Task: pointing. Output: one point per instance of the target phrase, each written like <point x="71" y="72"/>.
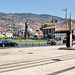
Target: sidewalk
<point x="37" y="61"/>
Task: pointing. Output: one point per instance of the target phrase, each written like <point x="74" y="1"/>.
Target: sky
<point x="51" y="7"/>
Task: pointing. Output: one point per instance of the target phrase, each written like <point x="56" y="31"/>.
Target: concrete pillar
<point x="70" y="38"/>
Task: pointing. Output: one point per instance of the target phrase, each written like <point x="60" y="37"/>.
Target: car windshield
<point x="9" y="41"/>
<point x="0" y="41"/>
<point x="5" y="41"/>
<point x="50" y="39"/>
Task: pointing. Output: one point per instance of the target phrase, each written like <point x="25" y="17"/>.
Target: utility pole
<point x="69" y="34"/>
<point x="70" y="31"/>
<point x="70" y="22"/>
<point x="66" y="17"/>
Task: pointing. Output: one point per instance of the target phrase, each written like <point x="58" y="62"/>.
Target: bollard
<point x="39" y="43"/>
<point x="25" y="44"/>
<point x="32" y="44"/>
<point x="9" y="45"/>
<point x="18" y="45"/>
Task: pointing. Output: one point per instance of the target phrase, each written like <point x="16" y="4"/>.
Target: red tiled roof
<point x="32" y="31"/>
<point x="2" y="28"/>
<point x="36" y="32"/>
<point x="62" y="29"/>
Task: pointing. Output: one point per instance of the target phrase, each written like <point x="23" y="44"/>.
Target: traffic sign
<point x="20" y="31"/>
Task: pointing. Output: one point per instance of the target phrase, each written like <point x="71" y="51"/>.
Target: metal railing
<point x="33" y="44"/>
<point x="37" y="44"/>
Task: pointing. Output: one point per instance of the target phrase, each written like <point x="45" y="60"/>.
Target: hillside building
<point x="4" y="32"/>
<point x="38" y="33"/>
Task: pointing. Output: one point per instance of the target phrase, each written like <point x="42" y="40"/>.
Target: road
<point x="33" y="63"/>
<point x="37" y="61"/>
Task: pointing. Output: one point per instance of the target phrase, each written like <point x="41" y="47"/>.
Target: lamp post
<point x="66" y="17"/>
<point x="69" y="32"/>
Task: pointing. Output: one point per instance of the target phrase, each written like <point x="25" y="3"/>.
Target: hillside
<point x="17" y="20"/>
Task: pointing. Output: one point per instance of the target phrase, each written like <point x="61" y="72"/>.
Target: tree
<point x="50" y="36"/>
<point x="15" y="34"/>
<point x="35" y="36"/>
<point x="45" y="25"/>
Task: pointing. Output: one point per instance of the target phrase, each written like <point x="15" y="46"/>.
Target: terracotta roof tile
<point x="36" y="32"/>
<point x="62" y="29"/>
<point x="2" y="28"/>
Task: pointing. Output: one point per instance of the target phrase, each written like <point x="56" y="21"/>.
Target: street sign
<point x="20" y="31"/>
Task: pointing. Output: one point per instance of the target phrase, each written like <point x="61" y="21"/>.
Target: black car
<point x="4" y="43"/>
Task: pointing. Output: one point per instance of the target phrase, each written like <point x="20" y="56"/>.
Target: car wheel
<point x="54" y="43"/>
<point x="3" y="45"/>
<point x="51" y="43"/>
<point x="15" y="45"/>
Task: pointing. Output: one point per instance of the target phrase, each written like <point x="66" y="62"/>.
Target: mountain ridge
<point x="15" y="19"/>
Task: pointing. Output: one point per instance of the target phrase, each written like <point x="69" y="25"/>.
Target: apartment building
<point x="48" y="30"/>
<point x="4" y="32"/>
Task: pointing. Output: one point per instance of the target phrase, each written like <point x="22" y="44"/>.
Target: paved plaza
<point x="48" y="60"/>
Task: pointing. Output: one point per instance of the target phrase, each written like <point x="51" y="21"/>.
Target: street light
<point x="66" y="17"/>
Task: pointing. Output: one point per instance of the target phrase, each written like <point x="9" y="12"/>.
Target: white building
<point x="48" y="30"/>
<point x="61" y="33"/>
<point x="57" y="32"/>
